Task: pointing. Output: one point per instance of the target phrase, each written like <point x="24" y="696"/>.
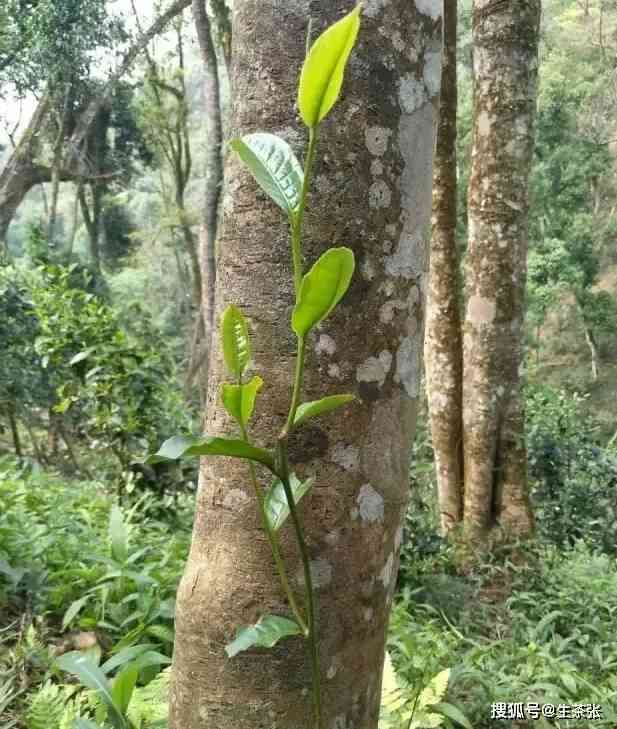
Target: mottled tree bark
<point x="444" y="345"/>
<point x="214" y="176"/>
<point x="372" y="192"/>
<point x="505" y="50"/>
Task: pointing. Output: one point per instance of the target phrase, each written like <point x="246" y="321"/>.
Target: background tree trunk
<point x="444" y="345"/>
<point x="373" y="193"/>
<point x="505" y="38"/>
<point x="214" y="181"/>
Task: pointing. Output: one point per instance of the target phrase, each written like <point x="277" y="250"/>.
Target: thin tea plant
<point x="279" y="173"/>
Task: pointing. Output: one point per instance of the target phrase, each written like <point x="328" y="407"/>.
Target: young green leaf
<point x="123" y="687"/>
<point x="324" y="68"/>
<point x="264" y="634"/>
<point x="236" y="342"/>
<point x="274" y="167"/>
<point x="92" y="677"/>
<point x="277" y="508"/>
<point x="319" y="407"/>
<point x="239" y="400"/>
<point x="184" y="447"/>
<point x="322" y="288"/>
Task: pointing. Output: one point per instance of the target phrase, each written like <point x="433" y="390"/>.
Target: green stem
<point x="298" y="218"/>
<point x="296" y="251"/>
<point x="274" y="545"/>
<point x="308" y="582"/>
<point x="297" y="388"/>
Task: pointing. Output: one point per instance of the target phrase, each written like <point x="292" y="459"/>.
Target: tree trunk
<point x="593" y="349"/>
<point x="505" y="70"/>
<point x="373" y="193"/>
<point x="444" y="346"/>
<point x="214" y="171"/>
<point x="10" y="411"/>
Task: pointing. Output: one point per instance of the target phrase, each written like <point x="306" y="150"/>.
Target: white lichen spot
<point x="368" y="269"/>
<point x="432" y="72"/>
<point x="411" y="94"/>
<point x="481" y="311"/>
<point x="376" y="168"/>
<point x="370" y="504"/>
<point x="387" y="310"/>
<point x="432" y="8"/>
<point x="385" y="576"/>
<point x="321" y="573"/>
<point x="372" y="8"/>
<point x="334" y="371"/>
<point x="325" y="345"/>
<point x="235" y="499"/>
<point x="375" y="369"/>
<point x="377" y="139"/>
<point x="398" y="42"/>
<point x="346" y="456"/>
<point x="379" y="195"/>
<point x="407" y="367"/>
<point x="367" y="614"/>
<point x="407" y="260"/>
<point x="331" y="672"/>
<point x="484" y="123"/>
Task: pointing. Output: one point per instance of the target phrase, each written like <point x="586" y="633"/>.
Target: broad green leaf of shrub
<point x="320" y="407"/>
<point x="236" y="341"/>
<point x="322" y="74"/>
<point x="92" y="677"/>
<point x="181" y="446"/>
<point x="239" y="400"/>
<point x="264" y="634"/>
<point x="277" y="508"/>
<point x="274" y="167"/>
<point x="322" y="288"/>
<point x="123" y="687"/>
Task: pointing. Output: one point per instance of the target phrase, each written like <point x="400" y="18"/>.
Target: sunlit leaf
<point x="236" y="342"/>
<point x="123" y="687"/>
<point x="264" y="634"/>
<point x="319" y="407"/>
<point x="454" y="713"/>
<point x="239" y="400"/>
<point x="324" y="68"/>
<point x="322" y="288"/>
<point x="277" y="508"/>
<point x="185" y="447"/>
<point x="92" y="677"/>
<point x="274" y="166"/>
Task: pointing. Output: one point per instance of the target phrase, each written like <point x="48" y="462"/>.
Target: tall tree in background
<point x="505" y="60"/>
<point x="473" y="370"/>
<point x="214" y="183"/>
<point x="374" y="182"/>
<point x="444" y="344"/>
